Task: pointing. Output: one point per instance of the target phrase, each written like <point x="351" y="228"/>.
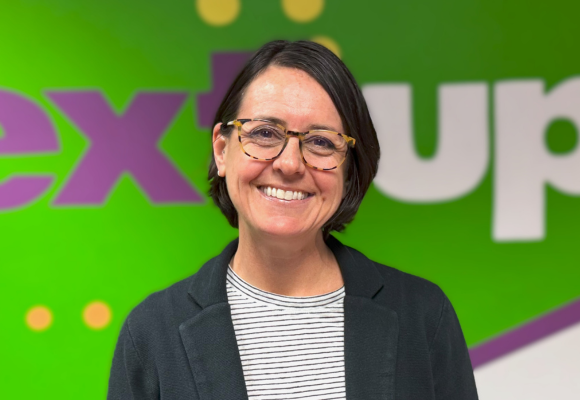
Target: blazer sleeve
<point x="450" y="362"/>
<point x="129" y="378"/>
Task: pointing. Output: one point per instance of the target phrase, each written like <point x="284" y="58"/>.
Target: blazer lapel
<point x="371" y="330"/>
<point x="210" y="343"/>
<point x="209" y="337"/>
<point x="370" y="349"/>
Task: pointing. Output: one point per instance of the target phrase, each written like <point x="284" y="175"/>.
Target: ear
<point x="219" y="149"/>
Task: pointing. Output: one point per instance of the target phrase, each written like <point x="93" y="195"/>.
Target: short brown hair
<point x="331" y="73"/>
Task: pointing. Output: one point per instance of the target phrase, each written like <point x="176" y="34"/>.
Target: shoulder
<point x="161" y="311"/>
<point x="430" y="340"/>
<point x="402" y="285"/>
<point x="408" y="288"/>
<point x="167" y="309"/>
<point x="418" y="302"/>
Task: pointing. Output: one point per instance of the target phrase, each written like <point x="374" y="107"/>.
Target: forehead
<point x="290" y="95"/>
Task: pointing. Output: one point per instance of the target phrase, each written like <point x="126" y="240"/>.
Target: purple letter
<point x="27" y="129"/>
<point x="224" y="68"/>
<point x="123" y="143"/>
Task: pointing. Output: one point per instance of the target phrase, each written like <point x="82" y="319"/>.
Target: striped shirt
<point x="291" y="347"/>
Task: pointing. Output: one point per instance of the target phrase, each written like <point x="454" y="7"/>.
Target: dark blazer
<point x="402" y="339"/>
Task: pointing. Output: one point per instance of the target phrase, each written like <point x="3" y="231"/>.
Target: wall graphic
<point x="105" y="114"/>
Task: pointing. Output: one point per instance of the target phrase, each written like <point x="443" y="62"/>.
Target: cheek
<point x="333" y="189"/>
<point x="242" y="170"/>
<point x="247" y="171"/>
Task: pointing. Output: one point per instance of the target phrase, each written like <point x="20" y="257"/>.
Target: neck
<point x="296" y="266"/>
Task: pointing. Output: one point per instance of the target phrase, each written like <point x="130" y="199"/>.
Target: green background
<point x="66" y="257"/>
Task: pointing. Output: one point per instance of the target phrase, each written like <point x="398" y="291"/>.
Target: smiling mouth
<point x="284" y="194"/>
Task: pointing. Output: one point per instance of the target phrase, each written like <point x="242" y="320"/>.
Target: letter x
<point x="123" y="144"/>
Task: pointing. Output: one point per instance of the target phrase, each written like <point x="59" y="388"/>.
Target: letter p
<point x="523" y="165"/>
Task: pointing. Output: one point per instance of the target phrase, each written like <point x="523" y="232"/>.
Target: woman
<point x="287" y="311"/>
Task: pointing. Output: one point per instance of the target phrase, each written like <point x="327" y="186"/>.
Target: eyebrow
<point x="311" y="127"/>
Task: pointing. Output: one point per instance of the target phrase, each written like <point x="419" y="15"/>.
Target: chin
<point x="285" y="227"/>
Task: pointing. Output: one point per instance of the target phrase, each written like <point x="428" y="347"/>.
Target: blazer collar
<point x="370" y="331"/>
<point x="208" y="285"/>
<point x="360" y="276"/>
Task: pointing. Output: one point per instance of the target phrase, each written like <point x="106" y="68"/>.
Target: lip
<point x="283" y="201"/>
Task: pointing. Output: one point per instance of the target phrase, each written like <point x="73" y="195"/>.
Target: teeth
<point x="284" y="195"/>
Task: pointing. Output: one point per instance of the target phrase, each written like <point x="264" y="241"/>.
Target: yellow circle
<point x="97" y="315"/>
<point x="39" y="318"/>
<point x="218" y="12"/>
<point x="303" y="10"/>
<point x="328" y="43"/>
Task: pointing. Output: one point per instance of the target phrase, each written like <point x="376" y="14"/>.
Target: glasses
<point x="265" y="140"/>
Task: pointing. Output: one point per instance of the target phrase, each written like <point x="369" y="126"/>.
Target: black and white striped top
<point x="291" y="347"/>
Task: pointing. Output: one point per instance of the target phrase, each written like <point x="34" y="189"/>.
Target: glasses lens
<point x="262" y="139"/>
<point x="324" y="149"/>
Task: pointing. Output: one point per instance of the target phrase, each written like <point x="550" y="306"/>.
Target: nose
<point x="290" y="161"/>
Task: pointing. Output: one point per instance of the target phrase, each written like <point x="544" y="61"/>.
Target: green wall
<point x="65" y="256"/>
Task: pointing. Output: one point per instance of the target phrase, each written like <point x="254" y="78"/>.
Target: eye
<point x="265" y="133"/>
<point x="320" y="142"/>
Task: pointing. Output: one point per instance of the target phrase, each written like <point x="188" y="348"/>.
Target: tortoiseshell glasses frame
<point x="349" y="141"/>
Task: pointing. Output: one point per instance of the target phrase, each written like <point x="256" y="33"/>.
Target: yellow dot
<point x="218" y="12"/>
<point x="303" y="10"/>
<point x="97" y="315"/>
<point x="328" y="43"/>
<point x="39" y="318"/>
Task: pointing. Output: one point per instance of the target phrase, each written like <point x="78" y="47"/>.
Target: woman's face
<point x="294" y="97"/>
